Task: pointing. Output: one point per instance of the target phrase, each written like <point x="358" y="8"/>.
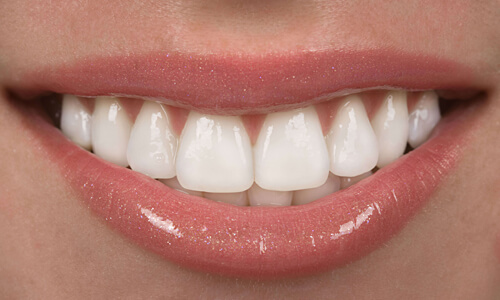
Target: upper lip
<point x="231" y="84"/>
<point x="254" y="241"/>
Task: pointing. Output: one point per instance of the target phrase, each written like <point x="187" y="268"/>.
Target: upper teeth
<point x="214" y="153"/>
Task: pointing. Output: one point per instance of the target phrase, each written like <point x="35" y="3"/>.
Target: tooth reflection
<point x="76" y="121"/>
<point x="290" y="152"/>
<point x="214" y="155"/>
<point x="110" y="130"/>
<point x="152" y="146"/>
<point x="423" y="118"/>
<point x="351" y="142"/>
<point x="390" y="125"/>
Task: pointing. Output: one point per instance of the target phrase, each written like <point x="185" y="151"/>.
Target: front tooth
<point x="110" y="130"/>
<point x="331" y="185"/>
<point x="152" y="145"/>
<point x="76" y="121"/>
<point x="215" y="154"/>
<point x="258" y="196"/>
<point x="390" y="125"/>
<point x="290" y="152"/>
<point x="423" y="118"/>
<point x="351" y="142"/>
<point x="231" y="198"/>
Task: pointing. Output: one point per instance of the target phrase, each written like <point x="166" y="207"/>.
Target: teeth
<point x="423" y="118"/>
<point x="213" y="158"/>
<point x="215" y="155"/>
<point x="111" y="130"/>
<point x="290" y="152"/>
<point x="331" y="185"/>
<point x="258" y="196"/>
<point x="239" y="199"/>
<point x="351" y="142"/>
<point x="346" y="182"/>
<point x="76" y="121"/>
<point x="152" y="145"/>
<point x="390" y="125"/>
<point x="174" y="184"/>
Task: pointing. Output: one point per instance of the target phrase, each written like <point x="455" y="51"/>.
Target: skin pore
<point x="53" y="247"/>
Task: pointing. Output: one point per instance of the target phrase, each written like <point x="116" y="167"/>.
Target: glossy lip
<point x="255" y="242"/>
<point x="233" y="84"/>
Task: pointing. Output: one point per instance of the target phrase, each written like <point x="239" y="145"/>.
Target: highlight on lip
<point x="282" y="158"/>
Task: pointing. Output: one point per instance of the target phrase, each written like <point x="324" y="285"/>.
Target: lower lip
<point x="259" y="242"/>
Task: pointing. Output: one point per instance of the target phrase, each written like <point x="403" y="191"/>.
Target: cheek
<point x="497" y="246"/>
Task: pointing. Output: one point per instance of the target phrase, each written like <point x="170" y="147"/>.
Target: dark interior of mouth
<point x="449" y="101"/>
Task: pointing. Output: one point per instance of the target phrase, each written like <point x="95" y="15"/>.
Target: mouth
<point x="267" y="167"/>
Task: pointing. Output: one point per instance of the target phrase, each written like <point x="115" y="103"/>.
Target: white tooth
<point x="215" y="154"/>
<point x="290" y="152"/>
<point x="152" y="145"/>
<point x="423" y="118"/>
<point x="346" y="182"/>
<point x="231" y="198"/>
<point x="174" y="184"/>
<point x="390" y="125"/>
<point x="76" y="121"/>
<point x="331" y="185"/>
<point x="110" y="130"/>
<point x="351" y="142"/>
<point x="258" y="196"/>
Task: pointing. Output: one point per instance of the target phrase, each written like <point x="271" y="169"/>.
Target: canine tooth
<point x="346" y="182"/>
<point x="258" y="196"/>
<point x="214" y="155"/>
<point x="331" y="185"/>
<point x="290" y="152"/>
<point x="174" y="184"/>
<point x="351" y="142"/>
<point x="390" y="125"/>
<point x="76" y="121"/>
<point x="110" y="130"/>
<point x="231" y="198"/>
<point x="152" y="145"/>
<point x="423" y="118"/>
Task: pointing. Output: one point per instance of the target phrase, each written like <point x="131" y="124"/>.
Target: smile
<point x="281" y="167"/>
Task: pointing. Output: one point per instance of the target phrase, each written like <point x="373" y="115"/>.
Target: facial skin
<point x="52" y="247"/>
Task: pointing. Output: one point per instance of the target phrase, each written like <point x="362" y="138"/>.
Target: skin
<point x="52" y="247"/>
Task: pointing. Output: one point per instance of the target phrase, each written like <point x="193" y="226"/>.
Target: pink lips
<point x="232" y="84"/>
<point x="258" y="242"/>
